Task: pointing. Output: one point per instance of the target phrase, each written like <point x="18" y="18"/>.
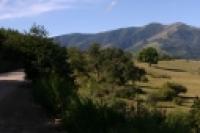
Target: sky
<point x="92" y="16"/>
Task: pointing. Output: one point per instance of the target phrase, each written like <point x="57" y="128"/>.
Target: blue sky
<point x="91" y="16"/>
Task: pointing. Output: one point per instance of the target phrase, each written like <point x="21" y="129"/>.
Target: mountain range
<point x="177" y="39"/>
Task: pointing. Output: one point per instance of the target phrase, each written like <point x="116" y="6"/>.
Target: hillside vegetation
<point x="166" y="88"/>
<point x="103" y="90"/>
<point x="178" y="39"/>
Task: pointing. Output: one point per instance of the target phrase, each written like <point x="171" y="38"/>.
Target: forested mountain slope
<point x="177" y="39"/>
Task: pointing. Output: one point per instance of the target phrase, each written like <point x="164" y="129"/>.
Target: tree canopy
<point x="44" y="62"/>
<point x="149" y="55"/>
<point x="111" y="65"/>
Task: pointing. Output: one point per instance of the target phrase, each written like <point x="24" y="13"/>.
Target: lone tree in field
<point x="149" y="55"/>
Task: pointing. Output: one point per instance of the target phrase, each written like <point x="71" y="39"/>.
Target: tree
<point x="38" y="30"/>
<point x="149" y="55"/>
<point x="2" y="38"/>
<point x="10" y="42"/>
<point x="95" y="59"/>
<point x="45" y="64"/>
<point x="116" y="66"/>
<point x="47" y="67"/>
<point x="77" y="61"/>
<point x="43" y="56"/>
<point x="94" y="50"/>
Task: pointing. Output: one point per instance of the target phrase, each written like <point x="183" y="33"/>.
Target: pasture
<point x="184" y="72"/>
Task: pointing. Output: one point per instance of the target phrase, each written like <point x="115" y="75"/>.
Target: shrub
<point x="166" y="93"/>
<point x="153" y="98"/>
<point x="102" y="92"/>
<point x="171" y="90"/>
<point x="196" y="104"/>
<point x="176" y="87"/>
<point x="178" y="100"/>
<point x="166" y="57"/>
<point x="119" y="105"/>
<point x="178" y="122"/>
<point x="87" y="116"/>
<point x="127" y="92"/>
<point x="195" y="115"/>
<point x="144" y="79"/>
<point x="53" y="92"/>
<point x="94" y="117"/>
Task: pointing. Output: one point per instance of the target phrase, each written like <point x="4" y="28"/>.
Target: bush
<point x="166" y="93"/>
<point x="178" y="123"/>
<point x="144" y="79"/>
<point x="153" y="98"/>
<point x="102" y="93"/>
<point x="119" y="105"/>
<point x="86" y="116"/>
<point x="195" y="115"/>
<point x="178" y="100"/>
<point x="166" y="57"/>
<point x="127" y="92"/>
<point x="171" y="90"/>
<point x="53" y="92"/>
<point x="89" y="117"/>
<point x="176" y="87"/>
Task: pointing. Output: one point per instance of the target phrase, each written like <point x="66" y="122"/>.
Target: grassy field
<point x="184" y="72"/>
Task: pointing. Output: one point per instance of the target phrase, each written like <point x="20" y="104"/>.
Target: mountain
<point x="178" y="39"/>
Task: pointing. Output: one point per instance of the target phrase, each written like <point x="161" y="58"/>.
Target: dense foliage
<point x="11" y="57"/>
<point x="44" y="62"/>
<point x="89" y="117"/>
<point x="149" y="55"/>
<point x="46" y="65"/>
<point x="110" y="65"/>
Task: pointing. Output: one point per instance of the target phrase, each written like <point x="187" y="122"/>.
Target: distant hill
<point x="177" y="39"/>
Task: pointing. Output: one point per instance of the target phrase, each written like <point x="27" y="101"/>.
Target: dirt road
<point x="18" y="112"/>
<point x="9" y="82"/>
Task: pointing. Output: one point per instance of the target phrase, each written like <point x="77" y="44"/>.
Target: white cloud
<point x="112" y="5"/>
<point x="23" y="8"/>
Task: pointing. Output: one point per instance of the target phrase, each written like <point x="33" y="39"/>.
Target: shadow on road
<point x="8" y="86"/>
<point x="18" y="111"/>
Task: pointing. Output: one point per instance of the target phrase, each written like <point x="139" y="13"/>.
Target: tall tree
<point x="46" y="65"/>
<point x="149" y="55"/>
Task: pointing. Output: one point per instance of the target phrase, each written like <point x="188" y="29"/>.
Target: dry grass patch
<point x="183" y="72"/>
